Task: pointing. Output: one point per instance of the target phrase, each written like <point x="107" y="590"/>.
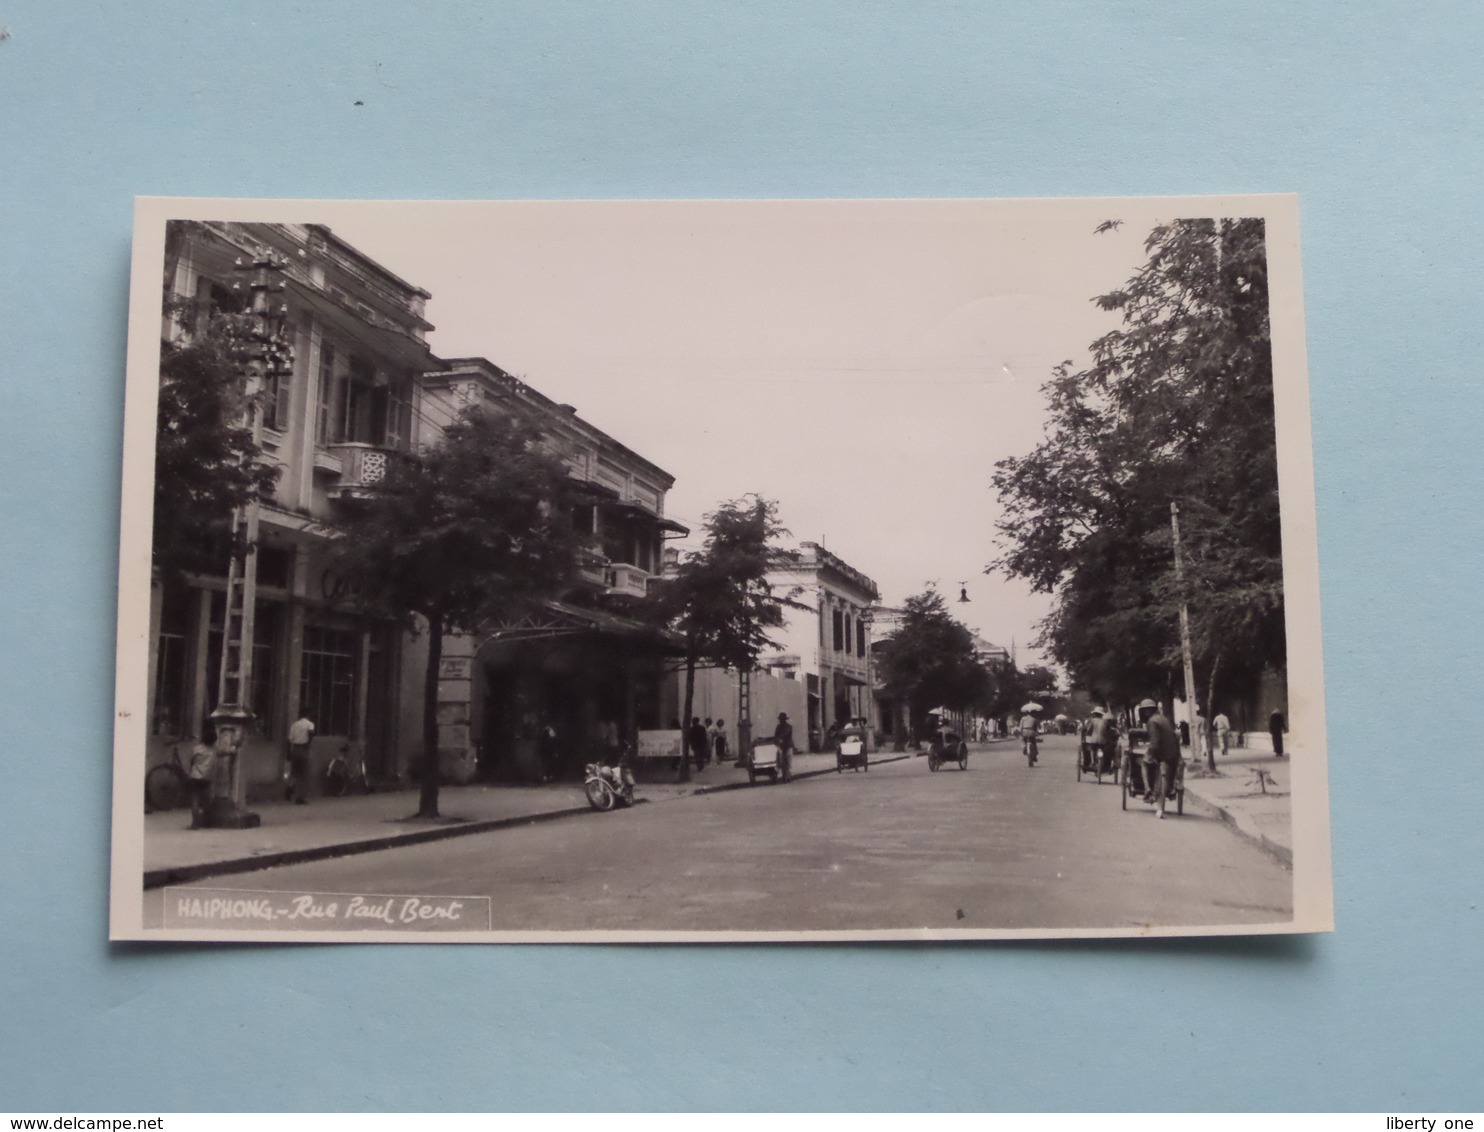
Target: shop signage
<point x="659" y="744"/>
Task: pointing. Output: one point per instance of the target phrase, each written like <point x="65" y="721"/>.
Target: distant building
<point x="826" y="644"/>
<point x="990" y="655"/>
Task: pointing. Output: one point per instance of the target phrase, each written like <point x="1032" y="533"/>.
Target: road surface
<point x="1001" y="845"/>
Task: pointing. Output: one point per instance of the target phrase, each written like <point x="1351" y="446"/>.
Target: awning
<point x="562" y="619"/>
<point x="594" y="489"/>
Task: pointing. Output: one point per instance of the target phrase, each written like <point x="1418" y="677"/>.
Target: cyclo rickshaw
<point x="850" y="748"/>
<point x="1135" y="746"/>
<point x="766" y="759"/>
<point x="948" y="746"/>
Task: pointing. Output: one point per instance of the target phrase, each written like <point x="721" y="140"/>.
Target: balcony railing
<point x="362" y="467"/>
<point x="627" y="580"/>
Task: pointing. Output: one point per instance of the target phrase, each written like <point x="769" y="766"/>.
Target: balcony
<point x="362" y="467"/>
<point x="629" y="581"/>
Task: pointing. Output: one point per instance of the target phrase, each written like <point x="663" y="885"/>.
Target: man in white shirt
<point x="301" y="731"/>
<point x="1223" y="730"/>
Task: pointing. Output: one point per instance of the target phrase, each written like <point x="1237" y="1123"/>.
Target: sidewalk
<point x="1262" y="818"/>
<point x="336" y="827"/>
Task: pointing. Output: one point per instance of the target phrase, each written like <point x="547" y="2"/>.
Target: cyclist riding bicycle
<point x="1029" y="728"/>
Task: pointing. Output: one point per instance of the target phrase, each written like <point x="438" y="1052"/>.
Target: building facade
<point x="364" y="387"/>
<point x="826" y="644"/>
<point x="580" y="666"/>
<point x="358" y="337"/>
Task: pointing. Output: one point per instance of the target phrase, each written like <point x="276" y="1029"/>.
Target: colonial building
<point x="579" y="666"/>
<point x="826" y="644"/>
<point x="363" y="387"/>
<point x="358" y="338"/>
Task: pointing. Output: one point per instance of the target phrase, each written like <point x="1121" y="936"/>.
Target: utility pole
<point x="1197" y="739"/>
<point x="744" y="705"/>
<point x="744" y="715"/>
<point x="269" y="356"/>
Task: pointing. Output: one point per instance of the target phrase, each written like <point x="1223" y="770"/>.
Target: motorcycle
<point x="608" y="786"/>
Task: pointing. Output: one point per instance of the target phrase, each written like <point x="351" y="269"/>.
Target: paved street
<point x="999" y="846"/>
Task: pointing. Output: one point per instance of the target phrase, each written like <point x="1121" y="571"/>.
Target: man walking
<point x="1275" y="729"/>
<point x="1163" y="754"/>
<point x="699" y="743"/>
<point x="301" y="731"/>
<point x="783" y="739"/>
<point x="1223" y="731"/>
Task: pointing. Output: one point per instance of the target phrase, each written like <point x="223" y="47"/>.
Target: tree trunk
<point x="1210" y="706"/>
<point x="690" y="703"/>
<point x="432" y="772"/>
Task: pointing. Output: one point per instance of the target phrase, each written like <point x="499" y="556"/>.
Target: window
<point x="860" y="637"/>
<point x="363" y="405"/>
<point x="359" y="405"/>
<point x="839" y="631"/>
<point x="276" y="390"/>
<point x="170" y="661"/>
<point x="326" y="394"/>
<point x="327" y="683"/>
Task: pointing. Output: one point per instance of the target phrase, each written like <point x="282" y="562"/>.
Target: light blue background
<point x="1372" y="112"/>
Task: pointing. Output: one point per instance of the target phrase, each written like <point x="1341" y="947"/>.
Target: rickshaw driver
<point x="1092" y="743"/>
<point x="1163" y="750"/>
<point x="1105" y="740"/>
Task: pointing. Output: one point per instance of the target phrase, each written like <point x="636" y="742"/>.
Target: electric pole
<point x="1190" y="706"/>
<point x="269" y="357"/>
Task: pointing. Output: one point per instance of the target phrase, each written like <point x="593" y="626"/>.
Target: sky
<point x="864" y="363"/>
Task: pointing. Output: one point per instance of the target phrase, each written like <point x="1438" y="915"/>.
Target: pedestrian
<point x="719" y="740"/>
<point x="546" y="751"/>
<point x="301" y="731"/>
<point x="699" y="745"/>
<point x="783" y="739"/>
<point x="1163" y="753"/>
<point x="202" y="774"/>
<point x="1223" y="731"/>
<point x="1275" y="729"/>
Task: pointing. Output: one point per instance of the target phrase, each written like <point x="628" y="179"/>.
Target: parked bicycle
<point x="167" y="786"/>
<point x="347" y="772"/>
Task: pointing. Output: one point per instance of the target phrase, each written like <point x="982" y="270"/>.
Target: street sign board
<point x="659" y="745"/>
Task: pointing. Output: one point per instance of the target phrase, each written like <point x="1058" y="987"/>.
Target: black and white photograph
<point x="718" y="570"/>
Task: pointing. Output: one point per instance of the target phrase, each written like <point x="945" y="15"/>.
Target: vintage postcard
<point x="718" y="570"/>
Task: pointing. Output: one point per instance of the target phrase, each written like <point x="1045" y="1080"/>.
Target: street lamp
<point x="963" y="593"/>
<point x="269" y="357"/>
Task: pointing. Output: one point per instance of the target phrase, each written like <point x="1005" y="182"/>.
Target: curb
<point x="184" y="874"/>
<point x="1243" y="827"/>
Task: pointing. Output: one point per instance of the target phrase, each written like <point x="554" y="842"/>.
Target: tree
<point x="206" y="463"/>
<point x="719" y="598"/>
<point x="930" y="660"/>
<point x="473" y="528"/>
<point x="1177" y="405"/>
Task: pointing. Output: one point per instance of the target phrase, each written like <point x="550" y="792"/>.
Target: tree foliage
<point x="930" y="660"/>
<point x="719" y="598"/>
<point x="1176" y="406"/>
<point x="474" y="528"/>
<point x="206" y="464"/>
